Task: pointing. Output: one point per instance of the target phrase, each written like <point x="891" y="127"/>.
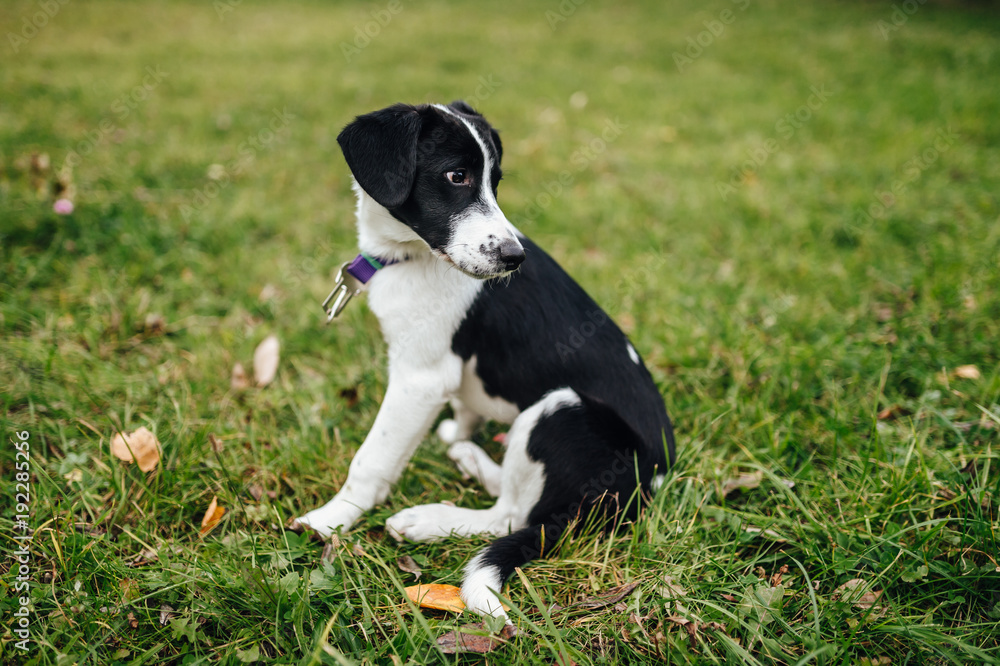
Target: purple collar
<point x="365" y="266"/>
<point x="351" y="279"/>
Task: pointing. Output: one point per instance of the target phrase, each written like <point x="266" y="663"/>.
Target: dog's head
<point x="436" y="169"/>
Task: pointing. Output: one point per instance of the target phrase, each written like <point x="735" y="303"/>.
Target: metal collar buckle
<point x="344" y="290"/>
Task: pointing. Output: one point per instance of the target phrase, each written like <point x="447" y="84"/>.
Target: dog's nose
<point x="511" y="254"/>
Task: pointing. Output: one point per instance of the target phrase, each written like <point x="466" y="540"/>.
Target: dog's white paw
<point x="464" y="455"/>
<point x="472" y="461"/>
<point x="323" y="521"/>
<point x="420" y="523"/>
<point x="447" y="431"/>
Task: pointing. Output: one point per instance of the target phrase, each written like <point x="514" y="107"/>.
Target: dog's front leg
<point x="412" y="400"/>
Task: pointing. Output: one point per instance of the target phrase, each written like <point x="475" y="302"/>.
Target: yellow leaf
<point x="238" y="380"/>
<point x="265" y="360"/>
<point x="212" y="517"/>
<point x="440" y="597"/>
<point x="967" y="372"/>
<point x="140" y="446"/>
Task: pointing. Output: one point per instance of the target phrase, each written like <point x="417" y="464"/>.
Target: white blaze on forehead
<point x="484" y="186"/>
<point x="476" y="233"/>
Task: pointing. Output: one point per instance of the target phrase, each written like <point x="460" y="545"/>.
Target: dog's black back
<point x="538" y="329"/>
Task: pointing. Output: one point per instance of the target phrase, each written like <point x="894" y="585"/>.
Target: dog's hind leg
<point x="521" y="480"/>
<point x="460" y="427"/>
<point x="472" y="461"/>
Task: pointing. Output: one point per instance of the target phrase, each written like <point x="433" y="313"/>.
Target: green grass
<point x="776" y="319"/>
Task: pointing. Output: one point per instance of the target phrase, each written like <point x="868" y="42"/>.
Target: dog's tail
<point x="490" y="569"/>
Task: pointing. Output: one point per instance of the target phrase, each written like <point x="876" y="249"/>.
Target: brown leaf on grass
<point x="409" y="565"/>
<point x="154" y="324"/>
<point x="350" y="395"/>
<point x="330" y="548"/>
<point x="256" y="492"/>
<point x="692" y="627"/>
<point x="859" y="593"/>
<point x="944" y="493"/>
<point x="480" y="642"/>
<point x="892" y="413"/>
<point x="774" y="536"/>
<point x="239" y="380"/>
<point x="215" y="442"/>
<point x="674" y="592"/>
<point x="132" y="622"/>
<point x="607" y="598"/>
<point x="966" y="426"/>
<point x="265" y="360"/>
<point x="145" y="556"/>
<point x="437" y="596"/>
<point x="140" y="446"/>
<point x="213" y="514"/>
<point x="130" y="589"/>
<point x="883" y="312"/>
<point x="776" y="577"/>
<point x="967" y="372"/>
<point x="742" y="482"/>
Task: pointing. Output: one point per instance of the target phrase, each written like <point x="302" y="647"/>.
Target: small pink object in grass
<point x="63" y="206"/>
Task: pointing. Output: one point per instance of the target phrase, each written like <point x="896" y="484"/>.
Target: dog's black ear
<point x="381" y="151"/>
<point x="462" y="107"/>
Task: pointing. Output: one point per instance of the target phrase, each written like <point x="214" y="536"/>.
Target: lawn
<point x="792" y="209"/>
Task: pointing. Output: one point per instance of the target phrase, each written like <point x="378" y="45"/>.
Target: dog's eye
<point x="457" y="177"/>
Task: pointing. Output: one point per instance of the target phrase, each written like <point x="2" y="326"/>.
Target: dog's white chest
<point x="420" y="304"/>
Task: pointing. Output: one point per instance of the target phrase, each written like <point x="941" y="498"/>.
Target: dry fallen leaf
<point x="858" y="592"/>
<point x="774" y="536"/>
<point x="893" y="412"/>
<point x="437" y="596"/>
<point x="607" y="598"/>
<point x="479" y="642"/>
<point x="330" y="548"/>
<point x="140" y="446"/>
<point x="154" y="324"/>
<point x="239" y="380"/>
<point x="265" y="360"/>
<point x="692" y="627"/>
<point x="743" y="481"/>
<point x="130" y="589"/>
<point x="967" y="372"/>
<point x="409" y="565"/>
<point x="673" y="591"/>
<point x="213" y="514"/>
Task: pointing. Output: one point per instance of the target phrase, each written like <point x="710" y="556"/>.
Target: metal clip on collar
<point x="346" y="288"/>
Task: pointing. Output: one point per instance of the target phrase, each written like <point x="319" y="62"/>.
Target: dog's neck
<point x="383" y="236"/>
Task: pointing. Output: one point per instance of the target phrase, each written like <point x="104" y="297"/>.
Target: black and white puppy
<point x="589" y="432"/>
